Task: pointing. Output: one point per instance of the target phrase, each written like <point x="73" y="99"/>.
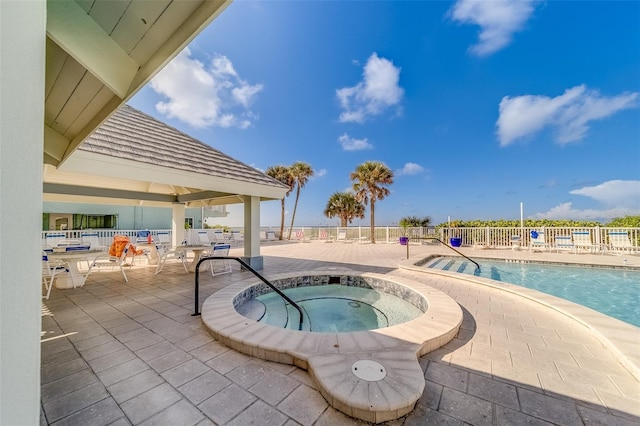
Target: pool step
<point x="453" y="265"/>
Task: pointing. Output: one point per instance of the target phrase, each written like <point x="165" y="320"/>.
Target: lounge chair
<point x="218" y="236"/>
<point x="93" y="240"/>
<point x="300" y="236"/>
<point x="582" y="240"/>
<point x="619" y="242"/>
<point x="271" y="236"/>
<point x="538" y="240"/>
<point x="220" y="250"/>
<point x="263" y="236"/>
<point x="52" y="238"/>
<point x="564" y="243"/>
<point x="166" y="253"/>
<point x="236" y="237"/>
<point x="342" y="237"/>
<point x="164" y="239"/>
<point x="203" y="239"/>
<point x="117" y="256"/>
<point x="516" y="242"/>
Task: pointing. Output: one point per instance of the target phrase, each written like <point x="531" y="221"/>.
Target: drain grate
<point x="368" y="370"/>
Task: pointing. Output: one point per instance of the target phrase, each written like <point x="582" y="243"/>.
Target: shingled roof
<point x="134" y="159"/>
<point x="133" y="135"/>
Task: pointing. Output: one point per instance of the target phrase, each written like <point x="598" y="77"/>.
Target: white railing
<point x="491" y="237"/>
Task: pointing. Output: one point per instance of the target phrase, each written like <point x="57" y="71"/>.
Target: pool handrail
<point x="248" y="268"/>
<point x="463" y="255"/>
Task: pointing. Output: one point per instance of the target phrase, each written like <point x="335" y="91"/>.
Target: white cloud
<point x="616" y="193"/>
<point x="498" y="21"/>
<point x="410" y="169"/>
<point x="566" y="211"/>
<point x="377" y="91"/>
<point x="319" y="173"/>
<point x="205" y="96"/>
<point x="350" y="144"/>
<point x="569" y="114"/>
<point x="619" y="197"/>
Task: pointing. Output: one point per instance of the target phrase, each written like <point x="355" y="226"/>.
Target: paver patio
<point x="116" y="354"/>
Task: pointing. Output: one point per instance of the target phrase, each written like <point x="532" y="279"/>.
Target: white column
<point x="177" y="224"/>
<point x="252" y="232"/>
<point x="22" y="43"/>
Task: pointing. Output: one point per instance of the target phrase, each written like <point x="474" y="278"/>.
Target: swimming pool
<point x="614" y="292"/>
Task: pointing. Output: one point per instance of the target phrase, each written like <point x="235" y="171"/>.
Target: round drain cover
<point x="368" y="370"/>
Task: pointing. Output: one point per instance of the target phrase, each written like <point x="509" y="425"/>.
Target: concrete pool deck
<point x="116" y="353"/>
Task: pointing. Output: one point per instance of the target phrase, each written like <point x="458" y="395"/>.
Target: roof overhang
<point x="100" y="179"/>
<point x="99" y="53"/>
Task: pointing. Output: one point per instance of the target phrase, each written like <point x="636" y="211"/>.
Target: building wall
<point x="129" y="217"/>
<point x="22" y="43"/>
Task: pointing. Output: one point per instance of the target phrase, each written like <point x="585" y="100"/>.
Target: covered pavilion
<point x="67" y="66"/>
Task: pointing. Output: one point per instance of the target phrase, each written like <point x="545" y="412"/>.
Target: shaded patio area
<point x="116" y="353"/>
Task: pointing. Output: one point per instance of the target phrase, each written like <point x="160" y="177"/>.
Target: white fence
<point x="490" y="237"/>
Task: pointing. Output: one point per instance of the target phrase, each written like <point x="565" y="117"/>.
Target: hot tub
<point x="371" y="374"/>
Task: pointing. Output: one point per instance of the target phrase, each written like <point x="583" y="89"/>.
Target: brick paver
<point x="116" y="353"/>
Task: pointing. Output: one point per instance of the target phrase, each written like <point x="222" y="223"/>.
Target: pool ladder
<point x="248" y="268"/>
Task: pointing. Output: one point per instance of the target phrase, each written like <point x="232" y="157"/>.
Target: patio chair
<point x="164" y="239"/>
<point x="218" y="236"/>
<point x="117" y="256"/>
<point x="538" y="240"/>
<point x="263" y="236"/>
<point x="93" y="240"/>
<point x="342" y="237"/>
<point x="563" y="243"/>
<point x="166" y="253"/>
<point x="516" y="242"/>
<point x="300" y="236"/>
<point x="271" y="236"/>
<point x="220" y="250"/>
<point x="619" y="242"/>
<point x="50" y="270"/>
<point x="52" y="238"/>
<point x="203" y="238"/>
<point x="236" y="237"/>
<point x="582" y="240"/>
<point x="144" y="237"/>
<point x="323" y="235"/>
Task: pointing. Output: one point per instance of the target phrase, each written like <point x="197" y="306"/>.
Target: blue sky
<point x="475" y="106"/>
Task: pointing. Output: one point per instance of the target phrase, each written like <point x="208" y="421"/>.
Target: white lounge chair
<point x="538" y="240"/>
<point x="563" y="243"/>
<point x="271" y="236"/>
<point x="203" y="238"/>
<point x="582" y="240"/>
<point x="220" y="250"/>
<point x="516" y="242"/>
<point x="164" y="238"/>
<point x="166" y="253"/>
<point x="619" y="242"/>
<point x="263" y="236"/>
<point x="236" y="237"/>
<point x="52" y="238"/>
<point x="218" y="236"/>
<point x="342" y="237"/>
<point x="117" y="261"/>
<point x="93" y="240"/>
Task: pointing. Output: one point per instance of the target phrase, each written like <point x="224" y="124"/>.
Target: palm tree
<point x="369" y="179"/>
<point x="283" y="175"/>
<point x="345" y="206"/>
<point x="300" y="172"/>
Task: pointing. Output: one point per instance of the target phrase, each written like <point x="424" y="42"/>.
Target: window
<point x="188" y="223"/>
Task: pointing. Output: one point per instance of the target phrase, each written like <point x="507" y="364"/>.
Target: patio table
<point x="73" y="257"/>
<point x="197" y="253"/>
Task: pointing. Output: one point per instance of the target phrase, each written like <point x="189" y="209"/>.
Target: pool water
<point x="614" y="292"/>
<point x="337" y="308"/>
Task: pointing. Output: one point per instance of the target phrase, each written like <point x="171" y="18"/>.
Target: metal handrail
<point x="248" y="268"/>
<point x="442" y="242"/>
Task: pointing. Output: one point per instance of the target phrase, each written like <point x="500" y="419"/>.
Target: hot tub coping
<point x="329" y="356"/>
